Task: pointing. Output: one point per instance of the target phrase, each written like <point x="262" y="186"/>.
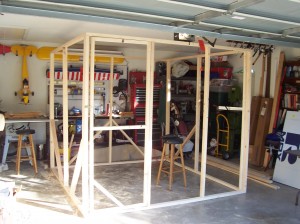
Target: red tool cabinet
<point x="138" y="107"/>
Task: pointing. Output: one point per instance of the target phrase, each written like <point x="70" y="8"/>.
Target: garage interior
<point x="88" y="116"/>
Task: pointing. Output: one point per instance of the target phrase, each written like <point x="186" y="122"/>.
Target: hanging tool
<point x="24" y="52"/>
<point x="210" y="43"/>
<point x="4" y="49"/>
<point x="261" y="50"/>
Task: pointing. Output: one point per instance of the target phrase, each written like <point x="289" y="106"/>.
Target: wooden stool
<point x="23" y="144"/>
<point x="171" y="140"/>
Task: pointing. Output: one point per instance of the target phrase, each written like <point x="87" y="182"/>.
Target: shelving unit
<point x="290" y="93"/>
<point x="183" y="94"/>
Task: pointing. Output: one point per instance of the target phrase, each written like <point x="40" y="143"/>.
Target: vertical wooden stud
<point x="168" y="95"/>
<point x="148" y="123"/>
<point x="198" y="115"/>
<point x="91" y="125"/>
<point x="245" y="123"/>
<point x="111" y="86"/>
<point x="51" y="108"/>
<point x="205" y="121"/>
<point x="65" y="117"/>
<point x="85" y="126"/>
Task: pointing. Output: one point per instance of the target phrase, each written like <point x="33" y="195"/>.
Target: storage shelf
<point x="294" y="92"/>
<point x="184" y="78"/>
<point x="288" y="108"/>
<point x="183" y="97"/>
<point x="293" y="81"/>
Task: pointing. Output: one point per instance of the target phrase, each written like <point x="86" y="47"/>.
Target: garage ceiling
<point x="272" y="22"/>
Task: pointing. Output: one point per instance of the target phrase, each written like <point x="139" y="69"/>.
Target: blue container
<point x="78" y="126"/>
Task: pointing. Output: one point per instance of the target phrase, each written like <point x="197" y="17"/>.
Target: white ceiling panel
<point x="277" y="20"/>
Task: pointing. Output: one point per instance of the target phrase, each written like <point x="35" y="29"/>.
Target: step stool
<point x="171" y="140"/>
<point x="22" y="143"/>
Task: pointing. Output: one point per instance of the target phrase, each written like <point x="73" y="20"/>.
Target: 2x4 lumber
<point x="188" y="137"/>
<point x="200" y="55"/>
<point x="120" y="40"/>
<point x="268" y="75"/>
<point x="120" y="127"/>
<point x="236" y="171"/>
<point x="140" y="40"/>
<point x="230" y="108"/>
<point x="276" y="91"/>
<point x="262" y="77"/>
<point x="85" y="86"/>
<point x="56" y="149"/>
<point x="148" y="122"/>
<point x="73" y="160"/>
<point x="107" y="194"/>
<point x="91" y="126"/>
<point x="65" y="117"/>
<point x="111" y="85"/>
<point x="180" y="58"/>
<point x="51" y="108"/>
<point x="262" y="131"/>
<point x="141" y="207"/>
<point x="123" y="162"/>
<point x="85" y="125"/>
<point x="77" y="169"/>
<point x="205" y="120"/>
<point x="137" y="40"/>
<point x="262" y="181"/>
<point x="209" y="177"/>
<point x="69" y="43"/>
<point x="225" y="53"/>
<point x="245" y="122"/>
<point x="24" y="115"/>
<point x="72" y="199"/>
<point x="168" y="101"/>
<point x="129" y="139"/>
<point x="198" y="116"/>
<point x="236" y="167"/>
<point x="100" y="131"/>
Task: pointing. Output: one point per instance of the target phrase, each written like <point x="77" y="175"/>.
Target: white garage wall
<point x="11" y="81"/>
<point x="11" y="68"/>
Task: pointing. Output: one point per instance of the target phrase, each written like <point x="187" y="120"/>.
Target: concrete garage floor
<point x="42" y="200"/>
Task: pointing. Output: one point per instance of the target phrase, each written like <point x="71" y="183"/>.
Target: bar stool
<point x="171" y="140"/>
<point x="22" y="143"/>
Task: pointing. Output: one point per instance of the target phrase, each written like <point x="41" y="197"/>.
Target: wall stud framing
<point x="85" y="159"/>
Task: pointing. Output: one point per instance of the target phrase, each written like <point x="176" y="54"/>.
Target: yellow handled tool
<point x="24" y="52"/>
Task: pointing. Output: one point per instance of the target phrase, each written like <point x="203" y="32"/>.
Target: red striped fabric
<point x="77" y="76"/>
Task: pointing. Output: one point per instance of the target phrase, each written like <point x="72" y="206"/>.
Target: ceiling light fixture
<point x="297" y="1"/>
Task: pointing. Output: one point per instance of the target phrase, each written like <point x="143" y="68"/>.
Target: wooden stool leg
<point x="161" y="163"/>
<point x="19" y="151"/>
<point x="171" y="166"/>
<point x="182" y="164"/>
<point x="33" y="157"/>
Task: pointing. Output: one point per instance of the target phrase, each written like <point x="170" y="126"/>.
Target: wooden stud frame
<point x="85" y="158"/>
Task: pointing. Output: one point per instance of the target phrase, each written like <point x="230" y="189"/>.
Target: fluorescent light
<point x="298" y="1"/>
<point x="238" y="17"/>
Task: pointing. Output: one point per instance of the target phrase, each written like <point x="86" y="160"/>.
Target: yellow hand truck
<point x="222" y="140"/>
